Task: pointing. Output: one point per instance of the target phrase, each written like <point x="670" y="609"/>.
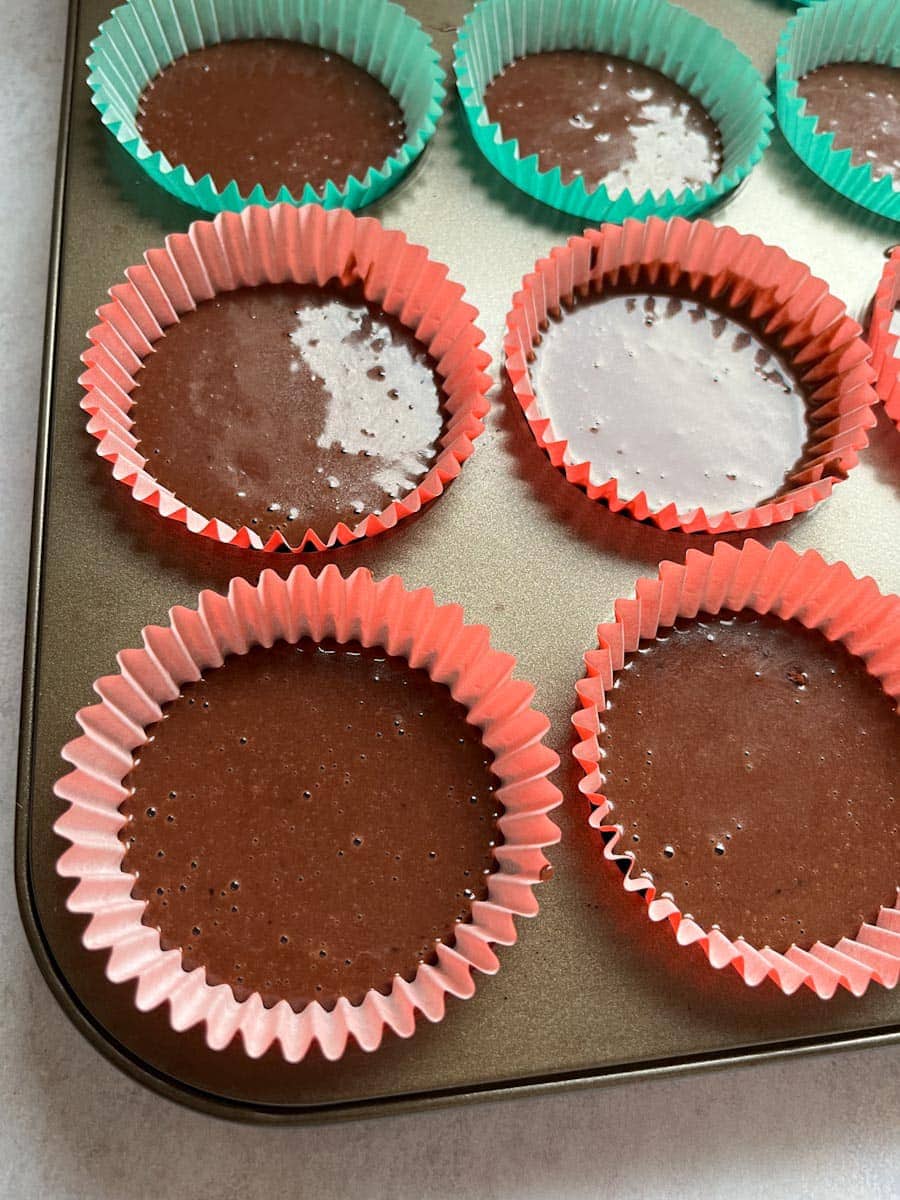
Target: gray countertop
<point x="73" y="1127"/>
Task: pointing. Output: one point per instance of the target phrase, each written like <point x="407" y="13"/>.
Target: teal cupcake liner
<point x="142" y="37"/>
<point x="660" y="35"/>
<point x="827" y="32"/>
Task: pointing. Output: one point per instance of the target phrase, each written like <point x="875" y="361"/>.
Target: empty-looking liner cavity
<point x="403" y="828"/>
<point x="689" y="375"/>
<point x="286" y="379"/>
<point x="227" y="105"/>
<point x="762" y="822"/>
<point x="609" y="108"/>
<point x="838" y="90"/>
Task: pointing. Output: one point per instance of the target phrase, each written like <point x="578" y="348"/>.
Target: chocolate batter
<point x="671" y="397"/>
<point x="606" y="119"/>
<point x="278" y="113"/>
<point x="309" y="821"/>
<point x="755" y="770"/>
<point x="859" y="103"/>
<point x="285" y="407"/>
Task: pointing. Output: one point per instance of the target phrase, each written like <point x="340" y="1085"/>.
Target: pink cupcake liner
<point x="791" y="586"/>
<point x="306" y="245"/>
<point x="407" y="624"/>
<point x="790" y="304"/>
<point x="883" y="341"/>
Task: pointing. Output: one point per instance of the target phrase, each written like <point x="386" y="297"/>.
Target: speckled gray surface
<point x="74" y="1127"/>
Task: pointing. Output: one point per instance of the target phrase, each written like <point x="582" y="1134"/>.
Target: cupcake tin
<point x="589" y="993"/>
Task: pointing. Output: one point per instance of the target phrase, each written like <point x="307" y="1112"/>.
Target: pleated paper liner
<point x="739" y="273"/>
<point x="142" y="37"/>
<point x="791" y="586"/>
<point x="273" y="245"/>
<point x="407" y="624"/>
<point x="884" y="340"/>
<point x="653" y="32"/>
<point x="836" y="31"/>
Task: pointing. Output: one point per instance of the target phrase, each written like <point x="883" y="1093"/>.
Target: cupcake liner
<point x="791" y="586"/>
<point x="142" y="37"/>
<point x="276" y="245"/>
<point x="837" y="31"/>
<point x="737" y="270"/>
<point x="883" y="341"/>
<point x="407" y="624"/>
<point x="660" y="35"/>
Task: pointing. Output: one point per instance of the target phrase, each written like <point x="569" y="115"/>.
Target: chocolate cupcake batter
<point x="859" y="103"/>
<point x="287" y="407"/>
<point x="671" y="397"/>
<point x="272" y="112"/>
<point x="607" y="120"/>
<point x="754" y="768"/>
<point x="310" y="821"/>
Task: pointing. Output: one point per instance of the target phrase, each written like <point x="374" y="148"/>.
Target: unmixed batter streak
<point x="286" y="407"/>
<point x="606" y="120"/>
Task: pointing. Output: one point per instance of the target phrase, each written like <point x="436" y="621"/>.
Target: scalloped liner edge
<point x="408" y="624"/>
<point x="821" y="596"/>
<point x="815" y="148"/>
